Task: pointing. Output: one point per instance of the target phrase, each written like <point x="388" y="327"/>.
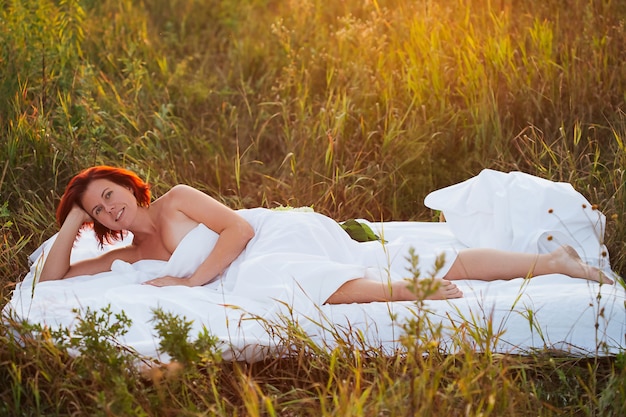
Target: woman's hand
<point x="167" y="281"/>
<point x="79" y="215"/>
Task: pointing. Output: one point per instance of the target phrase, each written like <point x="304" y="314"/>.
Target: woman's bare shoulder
<point x="189" y="200"/>
<point x="184" y="203"/>
<point x="179" y="194"/>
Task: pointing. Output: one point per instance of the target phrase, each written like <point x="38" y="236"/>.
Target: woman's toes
<point x="452" y="291"/>
<point x="445" y="291"/>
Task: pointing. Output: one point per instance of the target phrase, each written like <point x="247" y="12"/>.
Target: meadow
<point x="356" y="108"/>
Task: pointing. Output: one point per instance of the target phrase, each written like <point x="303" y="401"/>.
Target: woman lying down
<point x="309" y="248"/>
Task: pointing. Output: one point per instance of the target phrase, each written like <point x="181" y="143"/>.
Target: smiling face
<point x="110" y="204"/>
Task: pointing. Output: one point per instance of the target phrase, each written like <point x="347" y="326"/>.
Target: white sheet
<point x="296" y="260"/>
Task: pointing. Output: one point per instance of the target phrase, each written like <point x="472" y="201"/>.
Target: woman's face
<point x="110" y="204"/>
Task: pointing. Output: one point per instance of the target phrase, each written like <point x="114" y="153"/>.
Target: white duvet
<point x="298" y="259"/>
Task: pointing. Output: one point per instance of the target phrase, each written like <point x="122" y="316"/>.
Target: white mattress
<point x="517" y="316"/>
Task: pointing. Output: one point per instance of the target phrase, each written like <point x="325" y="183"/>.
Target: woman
<point x="117" y="200"/>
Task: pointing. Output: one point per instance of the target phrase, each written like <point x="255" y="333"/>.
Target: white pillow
<point x="520" y="212"/>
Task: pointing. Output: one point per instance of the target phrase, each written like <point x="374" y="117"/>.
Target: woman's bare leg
<point x="479" y="264"/>
<point x="492" y="264"/>
<point x="365" y="290"/>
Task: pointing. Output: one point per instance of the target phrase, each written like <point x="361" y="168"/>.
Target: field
<point x="357" y="108"/>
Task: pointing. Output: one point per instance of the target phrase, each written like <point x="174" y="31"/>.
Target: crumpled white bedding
<point x="298" y="259"/>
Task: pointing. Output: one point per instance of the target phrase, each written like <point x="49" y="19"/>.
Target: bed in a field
<point x="508" y="211"/>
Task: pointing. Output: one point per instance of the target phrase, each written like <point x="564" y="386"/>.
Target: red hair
<point x="75" y="190"/>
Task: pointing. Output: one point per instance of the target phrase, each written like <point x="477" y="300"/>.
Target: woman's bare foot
<point x="568" y="262"/>
<point x="438" y="289"/>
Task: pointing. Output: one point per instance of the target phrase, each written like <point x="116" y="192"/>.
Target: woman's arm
<point x="57" y="265"/>
<point x="234" y="232"/>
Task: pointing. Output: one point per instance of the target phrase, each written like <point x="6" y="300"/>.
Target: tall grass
<point x="358" y="108"/>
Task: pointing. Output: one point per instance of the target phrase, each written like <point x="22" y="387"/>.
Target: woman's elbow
<point x="47" y="275"/>
<point x="247" y="232"/>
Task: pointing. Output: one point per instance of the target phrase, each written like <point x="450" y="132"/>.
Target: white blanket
<point x="298" y="259"/>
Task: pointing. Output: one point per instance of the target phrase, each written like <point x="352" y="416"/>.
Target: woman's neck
<point x="145" y="225"/>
